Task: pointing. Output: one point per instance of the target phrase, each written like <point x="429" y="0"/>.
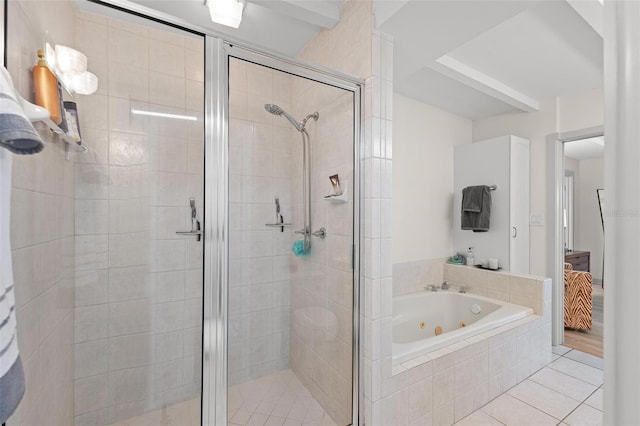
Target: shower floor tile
<point x="186" y="413"/>
<point x="276" y="399"/>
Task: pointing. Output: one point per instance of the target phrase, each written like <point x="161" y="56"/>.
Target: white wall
<point x="423" y="178"/>
<point x="588" y="233"/>
<point x="580" y="111"/>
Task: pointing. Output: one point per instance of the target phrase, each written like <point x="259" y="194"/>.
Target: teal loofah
<point x="298" y="248"/>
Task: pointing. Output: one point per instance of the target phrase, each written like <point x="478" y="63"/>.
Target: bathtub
<point x="457" y="316"/>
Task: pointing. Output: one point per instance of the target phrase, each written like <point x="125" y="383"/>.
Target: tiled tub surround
<point x="413" y="276"/>
<point x="138" y="293"/>
<point x="444" y="386"/>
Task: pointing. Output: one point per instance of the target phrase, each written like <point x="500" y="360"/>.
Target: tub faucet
<point x="445" y="285"/>
<point x="431" y="287"/>
<point x="463" y="289"/>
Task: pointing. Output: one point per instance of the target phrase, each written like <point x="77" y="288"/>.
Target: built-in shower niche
<point x="290" y="317"/>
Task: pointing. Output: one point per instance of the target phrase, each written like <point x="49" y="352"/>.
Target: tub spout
<point x="445" y="285"/>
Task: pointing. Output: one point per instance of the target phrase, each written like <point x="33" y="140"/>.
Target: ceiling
<point x="585" y="149"/>
<point x="474" y="58"/>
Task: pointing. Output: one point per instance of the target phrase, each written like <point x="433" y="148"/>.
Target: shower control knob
<point x="320" y="233"/>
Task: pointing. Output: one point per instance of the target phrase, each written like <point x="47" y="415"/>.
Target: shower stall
<point x="290" y="302"/>
<point x="215" y="264"/>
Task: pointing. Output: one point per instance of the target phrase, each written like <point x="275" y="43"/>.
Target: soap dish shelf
<point x="342" y="198"/>
<point x="71" y="144"/>
<point x="37" y="113"/>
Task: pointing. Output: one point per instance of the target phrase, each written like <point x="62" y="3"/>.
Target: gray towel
<point x="16" y="131"/>
<point x="476" y="208"/>
<point x="11" y="389"/>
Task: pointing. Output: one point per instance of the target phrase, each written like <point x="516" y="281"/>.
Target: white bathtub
<point x="416" y="316"/>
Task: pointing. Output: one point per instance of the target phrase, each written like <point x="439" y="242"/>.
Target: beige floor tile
<point x="327" y="421"/>
<point x="563" y="383"/>
<point x="595" y="400"/>
<point x="513" y="412"/>
<point x="560" y="350"/>
<point x="578" y="370"/>
<point x="544" y="399"/>
<point x="591" y="360"/>
<point x="584" y="416"/>
<point x="275" y="421"/>
<point x="479" y="418"/>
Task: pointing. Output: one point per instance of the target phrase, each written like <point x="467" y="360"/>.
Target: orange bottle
<point x="45" y="85"/>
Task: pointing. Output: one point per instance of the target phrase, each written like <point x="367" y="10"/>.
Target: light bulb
<point x="69" y="60"/>
<point x="84" y="83"/>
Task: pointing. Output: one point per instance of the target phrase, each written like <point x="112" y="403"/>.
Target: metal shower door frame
<point x="217" y="56"/>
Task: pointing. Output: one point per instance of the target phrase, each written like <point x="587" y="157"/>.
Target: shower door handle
<point x="197" y="234"/>
<point x="195" y="223"/>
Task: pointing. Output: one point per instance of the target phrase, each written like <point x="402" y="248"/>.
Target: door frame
<point x="555" y="248"/>
<point x="218" y="55"/>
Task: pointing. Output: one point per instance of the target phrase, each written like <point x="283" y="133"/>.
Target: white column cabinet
<point x="504" y="162"/>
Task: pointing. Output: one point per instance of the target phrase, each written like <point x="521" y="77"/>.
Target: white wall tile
<point x="133" y="316"/>
<point x="91" y="358"/>
<point x="91" y="323"/>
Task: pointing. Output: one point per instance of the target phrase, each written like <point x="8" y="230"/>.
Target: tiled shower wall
<point x="260" y="163"/>
<point x="355" y="47"/>
<point x="138" y="308"/>
<point x="322" y="282"/>
<point x="42" y="231"/>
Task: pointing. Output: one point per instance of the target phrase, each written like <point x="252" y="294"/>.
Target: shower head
<point x="273" y="109"/>
<point x="276" y="110"/>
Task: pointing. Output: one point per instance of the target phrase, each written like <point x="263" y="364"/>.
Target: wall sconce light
<point x="226" y="12"/>
<point x="70" y="65"/>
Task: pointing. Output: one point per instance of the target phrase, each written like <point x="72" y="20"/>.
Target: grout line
<point x="490" y="415"/>
<point x="540" y="409"/>
<point x="581" y="404"/>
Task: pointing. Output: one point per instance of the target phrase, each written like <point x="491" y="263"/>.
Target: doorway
<point x="556" y="259"/>
<point x="584" y="244"/>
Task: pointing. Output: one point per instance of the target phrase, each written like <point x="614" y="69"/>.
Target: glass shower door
<point x="291" y="234"/>
<point x="139" y="283"/>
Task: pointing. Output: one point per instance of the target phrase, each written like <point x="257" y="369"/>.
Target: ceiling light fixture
<point x="164" y="115"/>
<point x="226" y="12"/>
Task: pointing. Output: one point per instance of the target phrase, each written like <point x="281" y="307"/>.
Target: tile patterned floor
<point x="276" y="399"/>
<point x="568" y="392"/>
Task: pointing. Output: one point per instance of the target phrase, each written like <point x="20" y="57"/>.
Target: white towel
<point x="16" y="131"/>
<point x="11" y="374"/>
